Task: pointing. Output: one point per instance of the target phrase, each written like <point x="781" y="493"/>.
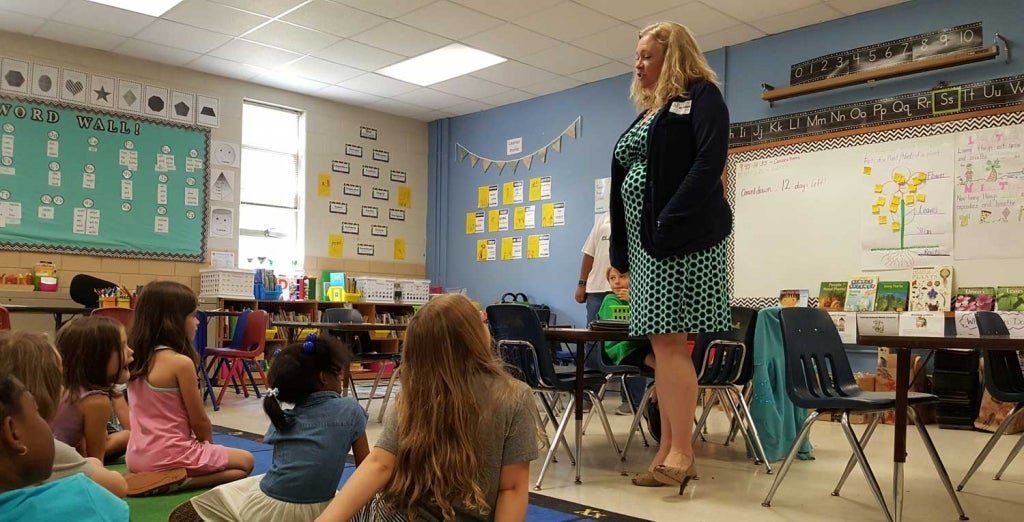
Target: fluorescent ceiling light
<point x="441" y="64"/>
<point x="146" y="7"/>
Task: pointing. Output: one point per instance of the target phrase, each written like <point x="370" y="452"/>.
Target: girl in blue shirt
<point x="311" y="441"/>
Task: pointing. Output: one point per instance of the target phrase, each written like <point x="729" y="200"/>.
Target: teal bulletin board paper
<point x="81" y="181"/>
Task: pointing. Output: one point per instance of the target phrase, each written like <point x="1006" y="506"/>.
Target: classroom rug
<point x="157" y="508"/>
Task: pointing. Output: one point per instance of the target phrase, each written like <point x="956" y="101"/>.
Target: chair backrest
<point x="360" y="341"/>
<point x="5" y="319"/>
<point x="125" y="316"/>
<point x="236" y="336"/>
<point x="816" y="363"/>
<point x="254" y="335"/>
<point x="520" y="361"/>
<point x="731" y="361"/>
<point x="519" y="322"/>
<point x="1003" y="377"/>
<point x="199" y="341"/>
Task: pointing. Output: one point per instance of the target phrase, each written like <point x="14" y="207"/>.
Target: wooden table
<point x="292" y="327"/>
<point x="903" y="344"/>
<point x="57" y="311"/>
<point x="582" y="336"/>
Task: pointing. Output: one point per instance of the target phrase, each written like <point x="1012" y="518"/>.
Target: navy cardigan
<point x="684" y="208"/>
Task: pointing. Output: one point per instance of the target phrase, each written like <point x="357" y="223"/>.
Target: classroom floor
<point x="732" y="488"/>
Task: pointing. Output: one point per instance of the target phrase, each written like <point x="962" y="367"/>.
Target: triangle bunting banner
<point x="572" y="131"/>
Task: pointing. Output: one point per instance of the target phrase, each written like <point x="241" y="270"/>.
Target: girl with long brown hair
<point x="460" y="442"/>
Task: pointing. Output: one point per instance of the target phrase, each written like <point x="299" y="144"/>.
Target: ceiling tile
<point x="387" y="8"/>
<point x="731" y="36"/>
<point x="156" y="53"/>
<point x="19" y="22"/>
<point x="379" y="85"/>
<point x="79" y="36"/>
<point x="430" y="98"/>
<point x="355" y="54"/>
<point x="344" y="95"/>
<point x="510" y="41"/>
<point x="398" y="108"/>
<point x="435" y="115"/>
<point x="228" y="68"/>
<point x="799" y="18"/>
<point x="289" y="82"/>
<point x="401" y="39"/>
<point x="271" y="8"/>
<point x="859" y="6"/>
<point x="558" y="84"/>
<point x="699" y="18"/>
<point x="40" y="8"/>
<point x="564" y="59"/>
<point x="321" y="70"/>
<point x="514" y="74"/>
<point x="507" y="97"/>
<point x="630" y="10"/>
<point x="469" y="87"/>
<point x="467" y="108"/>
<point x="214" y="17"/>
<point x="507" y="10"/>
<point x="252" y="53"/>
<point x="102" y="18"/>
<point x="747" y="11"/>
<point x="449" y="20"/>
<point x="552" y="21"/>
<point x="182" y="36"/>
<point x="333" y="18"/>
<point x="607" y="70"/>
<point x="291" y="37"/>
<point x="614" y="42"/>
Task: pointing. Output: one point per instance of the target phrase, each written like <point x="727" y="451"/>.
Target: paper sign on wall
<point x="399" y="249"/>
<point x="335" y="245"/>
<point x="538" y="246"/>
<point x="485" y="249"/>
<point x="492" y="221"/>
<point x="540" y="188"/>
<point x="503" y="220"/>
<point x="404" y="197"/>
<point x="323" y="185"/>
<point x="506" y="248"/>
<point x="552" y="214"/>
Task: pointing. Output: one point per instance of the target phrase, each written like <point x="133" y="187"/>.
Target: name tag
<point x="680" y="107"/>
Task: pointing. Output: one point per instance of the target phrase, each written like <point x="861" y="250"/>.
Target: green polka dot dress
<point x="688" y="293"/>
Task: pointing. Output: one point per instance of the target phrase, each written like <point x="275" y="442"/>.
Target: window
<point x="271" y="180"/>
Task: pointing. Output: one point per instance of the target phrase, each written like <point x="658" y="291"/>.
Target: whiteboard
<point x="824" y="210"/>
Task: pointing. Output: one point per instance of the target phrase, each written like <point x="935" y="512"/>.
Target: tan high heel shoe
<point x="671" y="476"/>
<point x="646" y="480"/>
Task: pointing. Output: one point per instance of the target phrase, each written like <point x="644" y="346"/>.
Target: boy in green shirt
<point x="623" y="352"/>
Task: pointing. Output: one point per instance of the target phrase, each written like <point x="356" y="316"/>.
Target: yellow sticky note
<point x="534" y="189"/>
<point x="481" y="250"/>
<point x="519" y="218"/>
<point x="876" y="209"/>
<point x="893" y="208"/>
<point x="506" y="248"/>
<point x="470" y="223"/>
<point x="910" y="200"/>
<point x="492" y="221"/>
<point x="482" y="196"/>
<point x="400" y="249"/>
<point x="404" y="197"/>
<point x="880" y="201"/>
<point x="532" y="247"/>
<point x="508" y="193"/>
<point x="899" y="178"/>
<point x="920" y="198"/>
<point x="867" y="170"/>
<point x="895" y="226"/>
<point x="323" y="185"/>
<point x="335" y="245"/>
<point x="895" y="199"/>
<point x="912" y="188"/>
<point x="882" y="220"/>
<point x="547" y="215"/>
<point x="878" y="189"/>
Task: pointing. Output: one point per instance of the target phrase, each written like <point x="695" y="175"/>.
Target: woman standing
<point x="670" y="221"/>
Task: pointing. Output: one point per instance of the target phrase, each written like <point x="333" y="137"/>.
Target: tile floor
<point x="732" y="488"/>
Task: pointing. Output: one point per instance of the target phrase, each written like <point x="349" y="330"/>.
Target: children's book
<point x="790" y="298"/>
<point x="892" y="296"/>
<point x="931" y="289"/>
<point x="1010" y="298"/>
<point x="832" y="295"/>
<point x="860" y="293"/>
<point x="975" y="298"/>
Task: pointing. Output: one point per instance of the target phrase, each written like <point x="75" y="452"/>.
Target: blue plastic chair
<point x="1004" y="382"/>
<point x="200" y="344"/>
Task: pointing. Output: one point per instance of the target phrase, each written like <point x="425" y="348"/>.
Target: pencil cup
<point x="108" y="302"/>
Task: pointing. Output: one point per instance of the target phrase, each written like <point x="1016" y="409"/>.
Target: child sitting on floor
<point x="311" y="441"/>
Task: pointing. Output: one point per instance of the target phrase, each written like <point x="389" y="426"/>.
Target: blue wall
<point x="606" y="111"/>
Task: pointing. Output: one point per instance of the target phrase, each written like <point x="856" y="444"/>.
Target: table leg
<point x="58" y="321"/>
<point x="580" y="358"/>
<point x="899" y="456"/>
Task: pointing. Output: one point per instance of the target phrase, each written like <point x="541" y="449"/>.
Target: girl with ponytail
<point x="311" y="441"/>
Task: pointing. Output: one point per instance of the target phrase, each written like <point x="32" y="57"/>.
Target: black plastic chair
<point x="517" y="329"/>
<point x="597" y="360"/>
<point x="819" y="378"/>
<point x="1004" y="382"/>
<point x="362" y="350"/>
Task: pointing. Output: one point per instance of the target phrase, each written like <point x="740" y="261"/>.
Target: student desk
<point x="57" y="311"/>
<point x="903" y="344"/>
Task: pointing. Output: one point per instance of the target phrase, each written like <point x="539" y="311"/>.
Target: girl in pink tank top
<point x="170" y="428"/>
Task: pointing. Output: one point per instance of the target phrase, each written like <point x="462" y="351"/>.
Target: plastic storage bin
<point x="235" y="283"/>
<point x="412" y="291"/>
<point x="376" y="289"/>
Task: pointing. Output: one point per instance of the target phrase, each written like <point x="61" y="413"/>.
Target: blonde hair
<point x="446" y="362"/>
<point x="684" y="64"/>
<point x="32" y="358"/>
